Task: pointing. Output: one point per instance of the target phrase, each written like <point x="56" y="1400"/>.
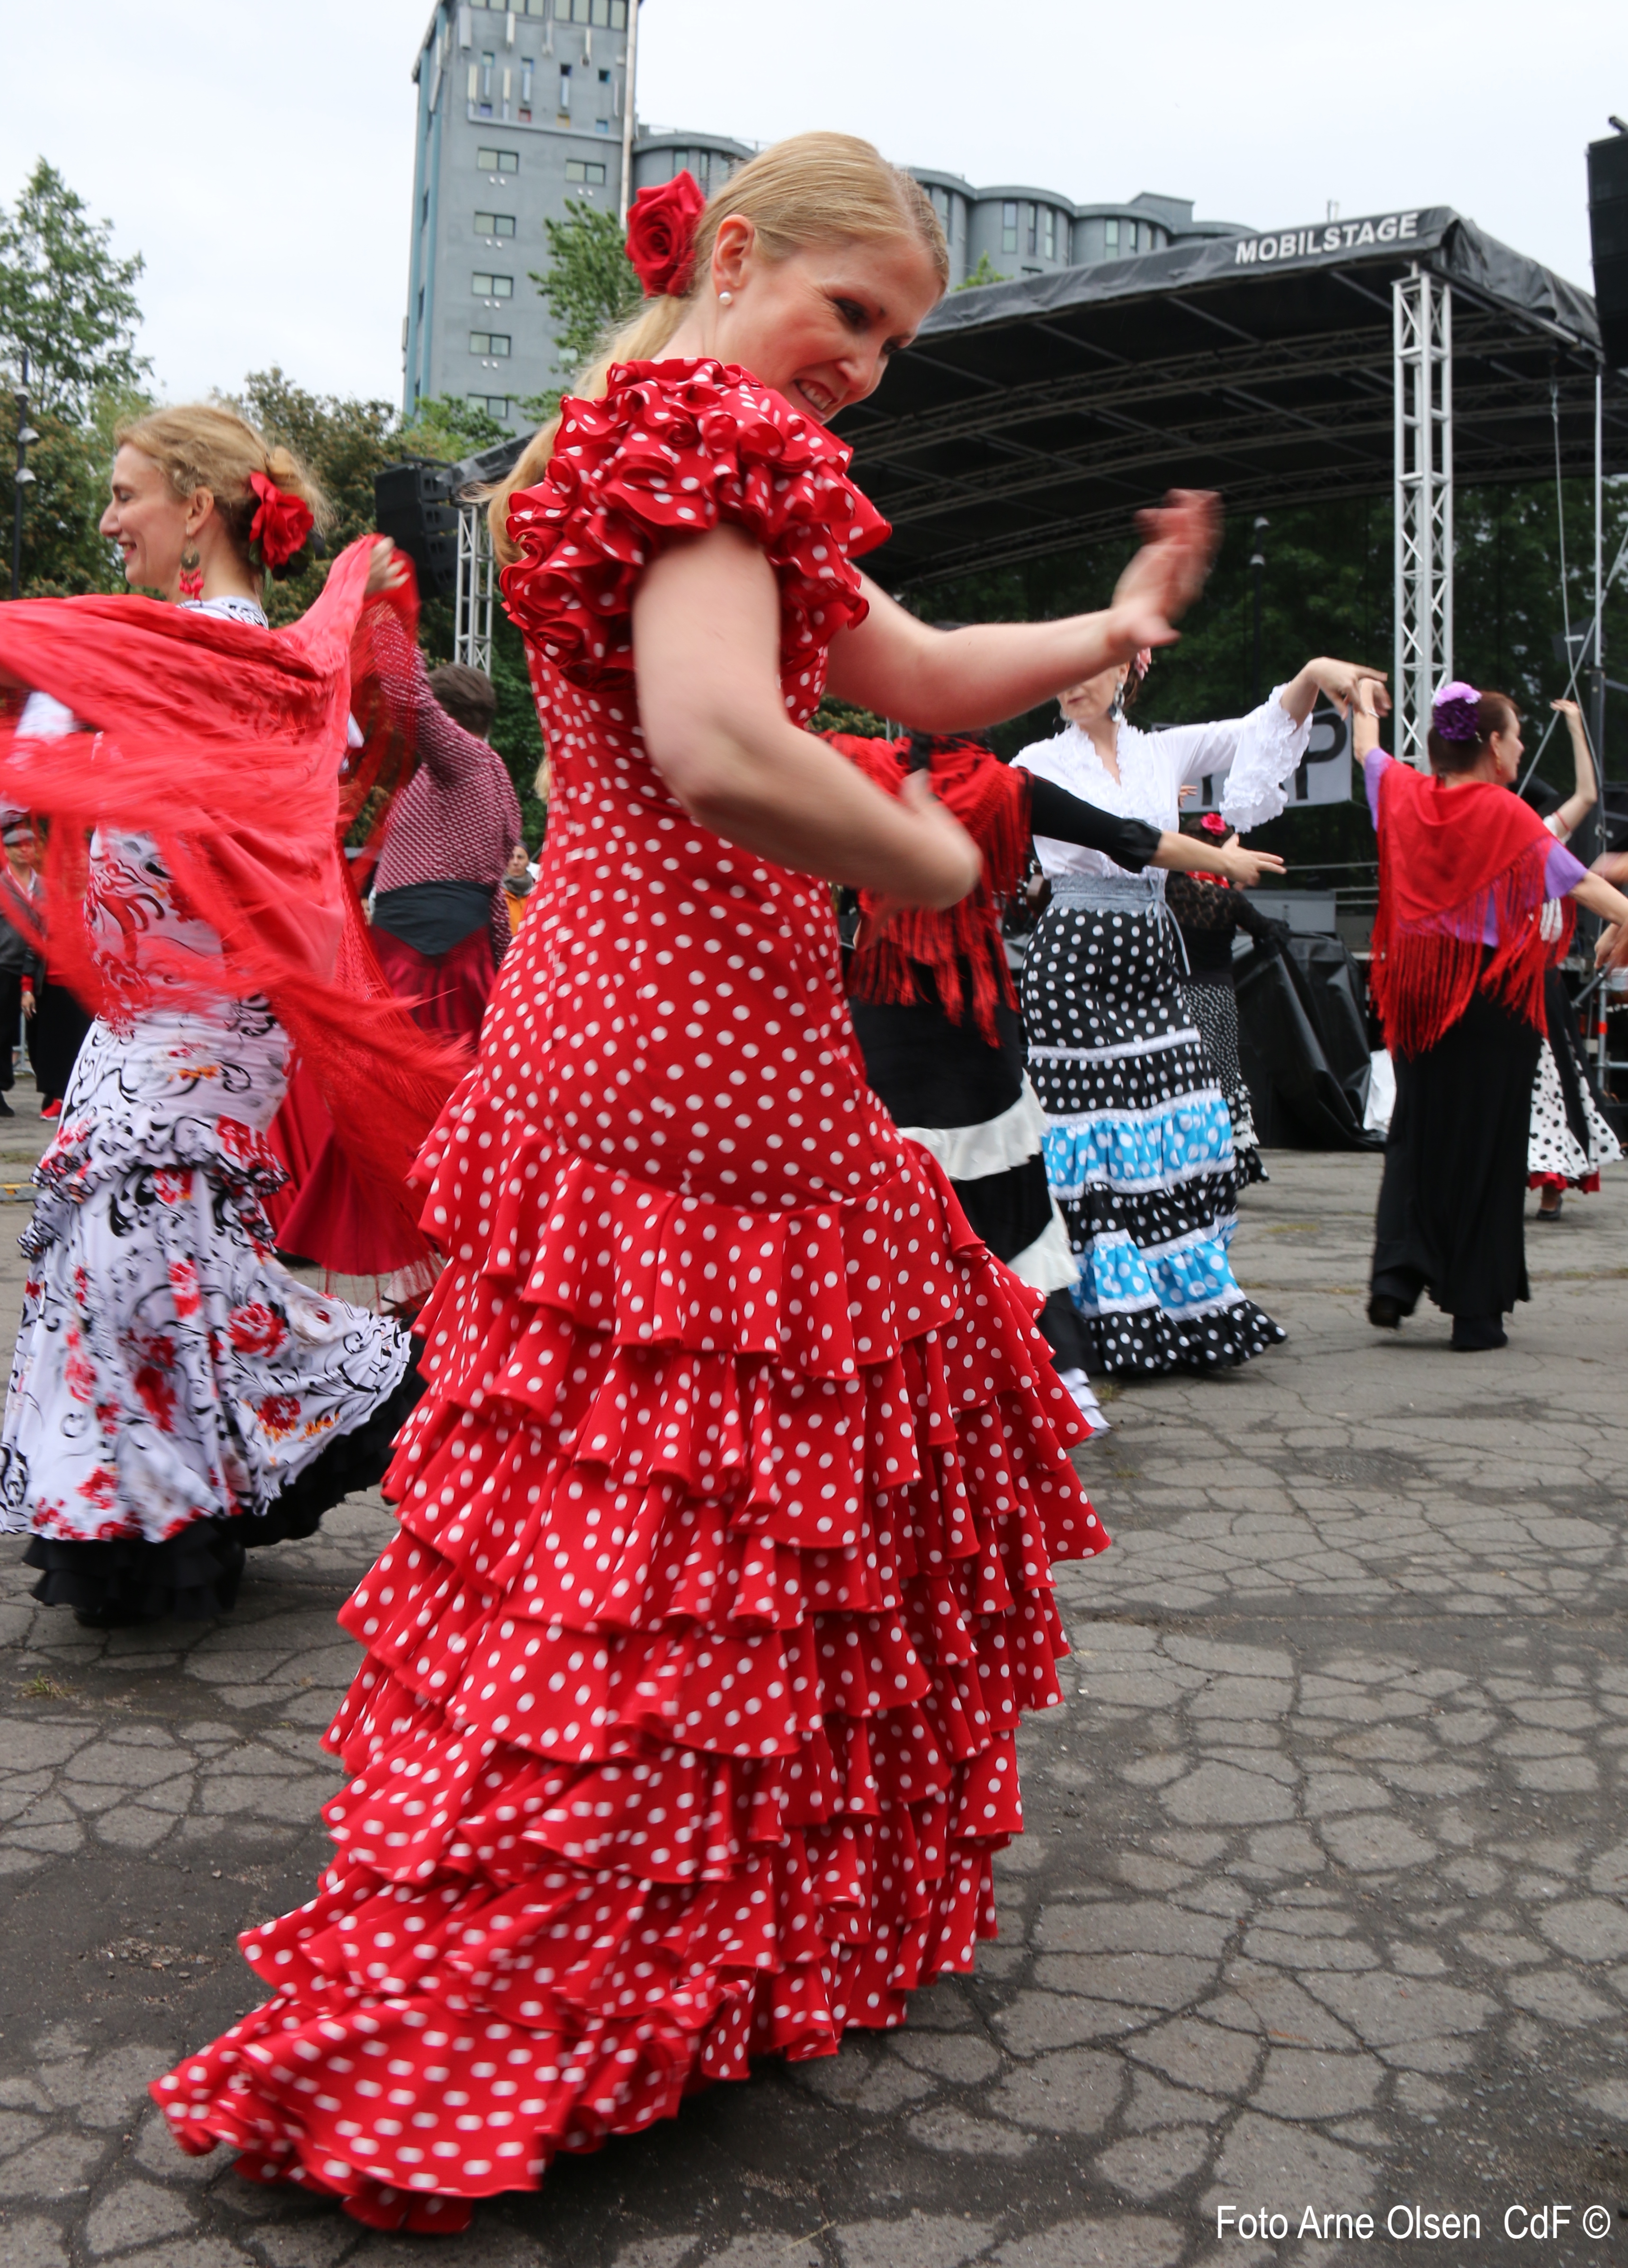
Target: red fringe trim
<point x="991" y="800"/>
<point x="1425" y="974"/>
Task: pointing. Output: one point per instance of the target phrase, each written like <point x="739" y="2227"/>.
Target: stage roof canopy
<point x="1033" y="416"/>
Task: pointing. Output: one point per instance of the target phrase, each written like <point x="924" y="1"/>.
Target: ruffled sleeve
<point x="1270" y="746"/>
<point x="676" y="448"/>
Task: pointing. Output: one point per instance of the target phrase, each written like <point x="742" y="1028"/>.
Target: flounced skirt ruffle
<point x="686" y="1732"/>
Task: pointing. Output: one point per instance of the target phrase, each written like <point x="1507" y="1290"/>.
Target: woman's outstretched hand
<point x="1179" y="540"/>
<point x="1246" y="867"/>
<point x="387" y="569"/>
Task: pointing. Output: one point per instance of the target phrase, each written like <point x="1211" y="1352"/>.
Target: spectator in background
<point x="1570" y="1140"/>
<point x="518" y="880"/>
<point x="55" y="1024"/>
<point x="20" y="964"/>
<point x="440" y="925"/>
<point x="439" y="928"/>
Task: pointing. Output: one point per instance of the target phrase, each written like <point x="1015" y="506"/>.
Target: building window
<point x="424" y="213"/>
<point x="495" y="343"/>
<point x="604" y="14"/>
<point x="1009" y="228"/>
<point x="584" y="169"/>
<point x="495" y="405"/>
<point x="1110" y="239"/>
<point x="1049" y="233"/>
<point x="488" y="65"/>
<point x="494" y="224"/>
<point x="499" y="161"/>
<point x="492" y="287"/>
<point x="565" y="91"/>
<point x="421" y="303"/>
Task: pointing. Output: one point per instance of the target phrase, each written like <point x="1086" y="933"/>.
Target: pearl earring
<point x="726" y="298"/>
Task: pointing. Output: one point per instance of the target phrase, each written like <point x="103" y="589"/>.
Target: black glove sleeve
<point x="1129" y="843"/>
<point x="1252" y="918"/>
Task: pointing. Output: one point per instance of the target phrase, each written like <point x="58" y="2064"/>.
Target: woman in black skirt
<point x="1209" y="916"/>
<point x="936" y="1014"/>
<point x="1460" y="956"/>
<point x="1139" y="1141"/>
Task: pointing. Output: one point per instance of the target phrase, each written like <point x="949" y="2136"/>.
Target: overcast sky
<point x="258" y="153"/>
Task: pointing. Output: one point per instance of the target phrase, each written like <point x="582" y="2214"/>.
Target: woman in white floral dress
<point x="176" y="1395"/>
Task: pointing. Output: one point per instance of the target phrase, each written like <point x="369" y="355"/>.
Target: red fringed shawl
<point x="226" y="744"/>
<point x="990" y="799"/>
<point x="1452" y="861"/>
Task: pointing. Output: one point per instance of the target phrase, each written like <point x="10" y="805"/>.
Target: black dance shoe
<point x="1385" y="1314"/>
<point x="1478" y="1333"/>
<point x="109" y="1618"/>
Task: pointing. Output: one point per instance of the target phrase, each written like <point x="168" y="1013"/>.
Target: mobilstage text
<point x="1334" y="236"/>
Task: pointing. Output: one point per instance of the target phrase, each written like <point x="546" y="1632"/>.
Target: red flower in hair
<point x="282" y="523"/>
<point x="661" y="235"/>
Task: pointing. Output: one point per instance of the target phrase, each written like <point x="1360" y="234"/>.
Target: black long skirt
<point x="945" y="1081"/>
<point x="1451" y="1202"/>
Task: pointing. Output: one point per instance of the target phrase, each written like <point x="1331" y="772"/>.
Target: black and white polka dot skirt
<point x="1214" y="1010"/>
<point x="1138" y="1145"/>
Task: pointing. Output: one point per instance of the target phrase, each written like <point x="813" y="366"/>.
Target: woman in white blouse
<point x="1139" y="1146"/>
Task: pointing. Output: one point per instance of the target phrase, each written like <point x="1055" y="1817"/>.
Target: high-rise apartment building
<point x="522" y="108"/>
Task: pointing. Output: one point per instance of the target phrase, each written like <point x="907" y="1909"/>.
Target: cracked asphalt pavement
<point x="1324" y="1902"/>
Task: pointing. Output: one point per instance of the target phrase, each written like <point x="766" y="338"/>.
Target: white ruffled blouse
<point x="1255" y="755"/>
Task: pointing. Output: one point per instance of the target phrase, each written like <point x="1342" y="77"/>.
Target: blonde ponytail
<point x="811" y="188"/>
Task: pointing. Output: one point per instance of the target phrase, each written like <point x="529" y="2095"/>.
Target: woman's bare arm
<point x="958" y="681"/>
<point x="1585" y="792"/>
<point x="706" y="642"/>
<point x="1339" y="680"/>
<point x="1187" y="854"/>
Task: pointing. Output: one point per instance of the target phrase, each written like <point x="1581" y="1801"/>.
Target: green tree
<point x="588" y="286"/>
<point x="68" y="304"/>
<point x="985" y="272"/>
<point x="447" y="427"/>
<point x="66" y="300"/>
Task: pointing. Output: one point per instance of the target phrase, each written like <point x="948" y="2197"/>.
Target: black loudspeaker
<point x="1608" y="226"/>
<point x="413" y="505"/>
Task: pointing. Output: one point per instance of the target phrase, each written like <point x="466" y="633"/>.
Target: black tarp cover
<point x="1303" y="1045"/>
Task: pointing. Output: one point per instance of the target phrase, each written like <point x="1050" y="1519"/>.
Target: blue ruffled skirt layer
<point x="1138" y="1147"/>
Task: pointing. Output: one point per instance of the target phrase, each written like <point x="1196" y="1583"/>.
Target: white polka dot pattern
<point x="686" y="1732"/>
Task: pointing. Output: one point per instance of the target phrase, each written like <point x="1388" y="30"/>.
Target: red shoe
<point x="51" y="1109"/>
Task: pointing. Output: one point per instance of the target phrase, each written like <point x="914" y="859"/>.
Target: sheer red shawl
<point x="226" y="744"/>
<point x="990" y="799"/>
<point x="1453" y="860"/>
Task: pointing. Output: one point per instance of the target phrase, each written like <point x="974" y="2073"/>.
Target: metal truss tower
<point x="475" y="589"/>
<point x="1422" y="310"/>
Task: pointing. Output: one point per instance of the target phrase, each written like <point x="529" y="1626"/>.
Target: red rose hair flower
<point x="661" y="235"/>
<point x="281" y="526"/>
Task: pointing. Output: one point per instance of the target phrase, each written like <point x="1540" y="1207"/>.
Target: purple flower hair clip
<point x="1454" y="712"/>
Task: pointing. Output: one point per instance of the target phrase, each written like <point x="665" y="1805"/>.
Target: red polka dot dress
<point x="685" y="1732"/>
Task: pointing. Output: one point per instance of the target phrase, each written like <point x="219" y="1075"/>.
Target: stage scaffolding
<point x="1422" y="502"/>
<point x="474" y="593"/>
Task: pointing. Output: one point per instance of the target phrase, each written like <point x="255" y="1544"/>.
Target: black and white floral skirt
<point x="1138" y="1143"/>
